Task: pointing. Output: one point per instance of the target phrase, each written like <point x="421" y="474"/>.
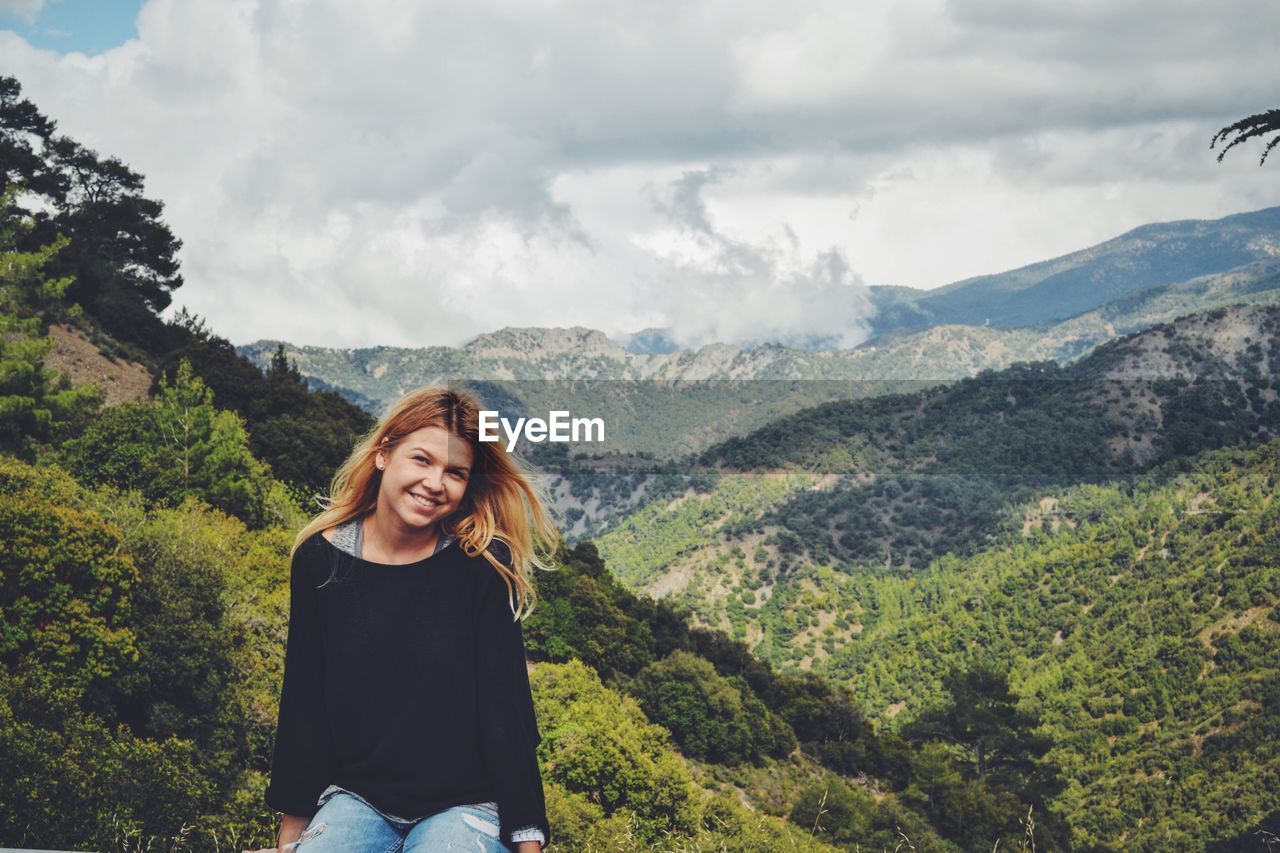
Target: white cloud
<point x="393" y="172"/>
<point x="724" y="288"/>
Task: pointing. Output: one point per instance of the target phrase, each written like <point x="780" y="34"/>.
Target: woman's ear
<point x="380" y="458"/>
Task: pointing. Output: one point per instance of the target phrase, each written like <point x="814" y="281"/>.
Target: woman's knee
<point x="461" y="828"/>
<point x="346" y="823"/>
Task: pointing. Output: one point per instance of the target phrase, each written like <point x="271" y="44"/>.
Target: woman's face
<point x="424" y="477"/>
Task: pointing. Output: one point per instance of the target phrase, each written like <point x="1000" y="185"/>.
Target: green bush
<point x="712" y="717"/>
<point x="598" y="744"/>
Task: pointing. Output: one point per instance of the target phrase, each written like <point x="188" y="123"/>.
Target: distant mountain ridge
<point x="1046" y="292"/>
<point x="1154" y="255"/>
<point x="541" y="368"/>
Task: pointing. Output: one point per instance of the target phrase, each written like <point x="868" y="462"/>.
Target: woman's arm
<point x="507" y="724"/>
<point x="301" y="765"/>
<point x="291" y="828"/>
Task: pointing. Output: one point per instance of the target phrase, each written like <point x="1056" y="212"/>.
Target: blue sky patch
<point x="66" y="26"/>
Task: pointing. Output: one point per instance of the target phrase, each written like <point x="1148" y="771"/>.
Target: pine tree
<point x="34" y="402"/>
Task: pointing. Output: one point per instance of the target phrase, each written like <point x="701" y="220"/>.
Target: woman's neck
<point x="386" y="541"/>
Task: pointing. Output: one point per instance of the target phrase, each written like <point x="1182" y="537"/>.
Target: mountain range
<point x="1057" y="310"/>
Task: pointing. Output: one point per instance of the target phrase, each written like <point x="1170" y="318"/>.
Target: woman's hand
<point x="291" y="827"/>
<point x="528" y="847"/>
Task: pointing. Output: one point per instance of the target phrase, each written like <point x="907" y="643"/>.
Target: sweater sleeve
<point x="301" y="765"/>
<point x="508" y="728"/>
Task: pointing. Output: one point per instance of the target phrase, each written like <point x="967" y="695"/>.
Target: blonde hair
<point x="500" y="503"/>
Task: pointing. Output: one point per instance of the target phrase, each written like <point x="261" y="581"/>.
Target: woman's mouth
<point x="424" y="502"/>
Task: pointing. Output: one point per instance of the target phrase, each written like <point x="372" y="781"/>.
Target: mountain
<point x="651" y="341"/>
<point x="1156" y="255"/>
<point x="591" y="501"/>
<point x="817" y="505"/>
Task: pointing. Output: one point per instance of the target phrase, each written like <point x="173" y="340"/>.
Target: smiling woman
<point x="424" y="478"/>
<point x="406" y="719"/>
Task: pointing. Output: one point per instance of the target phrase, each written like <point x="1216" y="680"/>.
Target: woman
<point x="406" y="721"/>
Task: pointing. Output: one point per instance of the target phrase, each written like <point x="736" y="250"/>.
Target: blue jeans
<point x="346" y="823"/>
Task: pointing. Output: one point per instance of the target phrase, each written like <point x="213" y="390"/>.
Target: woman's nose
<point x="433" y="480"/>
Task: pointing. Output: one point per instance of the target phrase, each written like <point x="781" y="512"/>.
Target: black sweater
<point x="406" y="685"/>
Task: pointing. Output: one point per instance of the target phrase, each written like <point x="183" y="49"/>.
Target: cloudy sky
<point x="359" y="172"/>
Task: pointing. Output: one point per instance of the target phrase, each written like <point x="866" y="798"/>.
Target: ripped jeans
<point x="346" y="823"/>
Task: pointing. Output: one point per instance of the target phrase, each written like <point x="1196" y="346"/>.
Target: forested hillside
<point x="1139" y="621"/>
<point x="818" y="504"/>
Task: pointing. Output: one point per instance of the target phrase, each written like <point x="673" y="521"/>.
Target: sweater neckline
<point x="390" y="566"/>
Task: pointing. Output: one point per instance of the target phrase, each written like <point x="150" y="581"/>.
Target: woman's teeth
<point x="425" y="503"/>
